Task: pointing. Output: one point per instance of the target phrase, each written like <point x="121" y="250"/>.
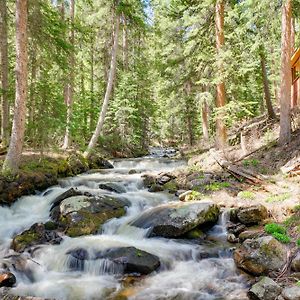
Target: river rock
<point x="7" y="280"/>
<point x="177" y="218"/>
<point x="264" y="289"/>
<point x="132" y="259"/>
<point x="252" y="215"/>
<point x="296" y="263"/>
<point x="36" y="235"/>
<point x="261" y="255"/>
<point x="250" y="234"/>
<point x="291" y="293"/>
<point x="83" y="215"/>
<point x="112" y="187"/>
<point x="148" y="180"/>
<point x="154" y="188"/>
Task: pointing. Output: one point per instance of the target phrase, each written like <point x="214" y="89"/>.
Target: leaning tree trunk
<point x="69" y="88"/>
<point x="12" y="160"/>
<point x="110" y="82"/>
<point x="221" y="137"/>
<point x="271" y="113"/>
<point x="285" y="74"/>
<point x="4" y="73"/>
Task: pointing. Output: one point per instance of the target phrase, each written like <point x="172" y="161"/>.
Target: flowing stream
<point x="184" y="274"/>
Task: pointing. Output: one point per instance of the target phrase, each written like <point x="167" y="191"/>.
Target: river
<point x="183" y="275"/>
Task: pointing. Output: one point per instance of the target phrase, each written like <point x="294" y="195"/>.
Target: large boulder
<point x="83" y="215"/>
<point x="264" y="289"/>
<point x="177" y="218"/>
<point x="132" y="259"/>
<point x="252" y="215"/>
<point x="38" y="234"/>
<point x="291" y="293"/>
<point x="124" y="260"/>
<point x="296" y="263"/>
<point x="260" y="256"/>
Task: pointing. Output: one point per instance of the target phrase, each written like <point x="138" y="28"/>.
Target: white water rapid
<point x="190" y="269"/>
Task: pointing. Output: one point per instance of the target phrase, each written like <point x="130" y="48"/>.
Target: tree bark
<point x="69" y="90"/>
<point x="125" y="44"/>
<point x="285" y="74"/>
<point x="92" y="104"/>
<point x="267" y="93"/>
<point x="4" y="73"/>
<point x="12" y="160"/>
<point x="221" y="138"/>
<point x="112" y="72"/>
<point x="205" y="125"/>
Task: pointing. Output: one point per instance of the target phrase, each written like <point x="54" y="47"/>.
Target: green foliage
<point x="247" y="195"/>
<point x="298" y="242"/>
<point x="251" y="162"/>
<point x="278" y="232"/>
<point x="278" y="198"/>
<point x="216" y="186"/>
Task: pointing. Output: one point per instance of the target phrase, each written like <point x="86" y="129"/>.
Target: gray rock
<point x="291" y="293"/>
<point x="260" y="256"/>
<point x="177" y="218"/>
<point x="252" y="214"/>
<point x="112" y="187"/>
<point x="132" y="259"/>
<point x="251" y="234"/>
<point x="264" y="289"/>
<point x="155" y="188"/>
<point x="83" y="215"/>
<point x="296" y="263"/>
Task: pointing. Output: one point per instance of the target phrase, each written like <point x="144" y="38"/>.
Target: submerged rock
<point x="260" y="256"/>
<point x="36" y="235"/>
<point x="177" y="218"/>
<point x="112" y="187"/>
<point x="264" y="289"/>
<point x="83" y="215"/>
<point x="132" y="259"/>
<point x="252" y="215"/>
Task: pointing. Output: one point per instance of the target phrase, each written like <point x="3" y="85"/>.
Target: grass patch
<point x="278" y="198"/>
<point x="278" y="232"/>
<point x="216" y="186"/>
<point x="251" y="162"/>
<point x="247" y="195"/>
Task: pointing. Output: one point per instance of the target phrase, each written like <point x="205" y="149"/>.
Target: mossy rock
<point x="171" y="186"/>
<point x="38" y="234"/>
<point x="84" y="215"/>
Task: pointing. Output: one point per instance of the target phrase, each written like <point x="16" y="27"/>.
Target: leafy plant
<point x="278" y="198"/>
<point x="246" y="195"/>
<point x="283" y="238"/>
<point x="278" y="232"/>
<point x="251" y="162"/>
<point x="216" y="186"/>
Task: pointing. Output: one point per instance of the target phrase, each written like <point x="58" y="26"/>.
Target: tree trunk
<point x="69" y="90"/>
<point x="125" y="44"/>
<point x="285" y="74"/>
<point x="12" y="160"/>
<point x="112" y="72"/>
<point x="269" y="105"/>
<point x="221" y="138"/>
<point x="205" y="124"/>
<point x="92" y="104"/>
<point x="4" y="73"/>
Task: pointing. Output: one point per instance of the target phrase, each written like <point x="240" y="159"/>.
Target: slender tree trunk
<point x="92" y="104"/>
<point x="4" y="73"/>
<point x="12" y="160"/>
<point x="267" y="93"/>
<point x="70" y="85"/>
<point x="285" y="74"/>
<point x="221" y="138"/>
<point x="125" y="44"/>
<point x="205" y="125"/>
<point x="112" y="72"/>
<point x="293" y="35"/>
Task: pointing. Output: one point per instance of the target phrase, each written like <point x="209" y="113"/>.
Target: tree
<point x="285" y="74"/>
<point x="69" y="88"/>
<point x="4" y="73"/>
<point x="13" y="156"/>
<point x="221" y="135"/>
<point x="109" y="87"/>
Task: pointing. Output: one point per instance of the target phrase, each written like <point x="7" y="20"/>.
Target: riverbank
<point x="37" y="173"/>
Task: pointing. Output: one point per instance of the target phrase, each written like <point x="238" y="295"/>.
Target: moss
<point x="278" y="198"/>
<point x="216" y="186"/>
<point x="50" y="225"/>
<point x="90" y="222"/>
<point x="247" y="195"/>
<point x="24" y="240"/>
<point x="171" y="186"/>
<point x="195" y="234"/>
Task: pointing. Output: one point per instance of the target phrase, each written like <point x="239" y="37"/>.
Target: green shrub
<point x="216" y="186"/>
<point x="283" y="238"/>
<point x="246" y="195"/>
<point x="273" y="227"/>
<point x="298" y="242"/>
<point x="250" y="162"/>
